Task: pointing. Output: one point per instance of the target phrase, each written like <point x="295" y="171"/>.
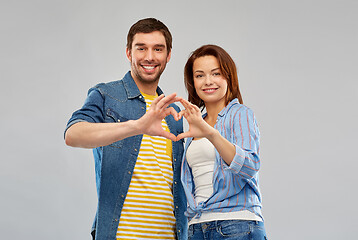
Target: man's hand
<point x="151" y="122"/>
<point x="92" y="135"/>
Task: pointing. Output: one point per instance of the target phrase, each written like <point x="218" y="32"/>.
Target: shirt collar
<point x="131" y="87"/>
<point x="226" y="109"/>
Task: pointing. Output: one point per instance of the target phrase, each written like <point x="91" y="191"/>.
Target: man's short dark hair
<point x="149" y="25"/>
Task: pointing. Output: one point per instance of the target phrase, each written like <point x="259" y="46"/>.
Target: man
<point x="130" y="129"/>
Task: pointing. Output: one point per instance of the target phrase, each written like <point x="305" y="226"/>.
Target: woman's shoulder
<point x="234" y="107"/>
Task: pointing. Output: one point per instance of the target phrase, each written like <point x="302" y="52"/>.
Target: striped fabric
<point x="235" y="186"/>
<point x="148" y="208"/>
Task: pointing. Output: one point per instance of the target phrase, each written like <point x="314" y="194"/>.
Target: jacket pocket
<point x="113" y="116"/>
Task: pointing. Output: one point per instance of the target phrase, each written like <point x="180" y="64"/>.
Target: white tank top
<point x="201" y="158"/>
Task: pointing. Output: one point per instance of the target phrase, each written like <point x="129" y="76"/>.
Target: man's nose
<point x="149" y="55"/>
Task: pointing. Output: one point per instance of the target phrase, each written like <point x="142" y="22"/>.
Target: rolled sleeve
<point x="245" y="137"/>
<point x="91" y="111"/>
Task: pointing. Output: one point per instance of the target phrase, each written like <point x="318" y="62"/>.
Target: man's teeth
<point x="148" y="67"/>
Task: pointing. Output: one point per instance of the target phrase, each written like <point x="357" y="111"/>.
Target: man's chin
<point x="149" y="78"/>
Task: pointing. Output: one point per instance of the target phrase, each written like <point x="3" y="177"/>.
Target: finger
<point x="156" y="100"/>
<point x="190" y="108"/>
<point x="170" y="102"/>
<point x="193" y="108"/>
<point x="180" y="114"/>
<point x="185" y="104"/>
<point x="169" y="135"/>
<point x="196" y="108"/>
<point x="164" y="102"/>
<point x="183" y="135"/>
<point x="172" y="111"/>
<point x="188" y="105"/>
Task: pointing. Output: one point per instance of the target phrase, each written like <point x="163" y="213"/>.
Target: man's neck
<point x="149" y="88"/>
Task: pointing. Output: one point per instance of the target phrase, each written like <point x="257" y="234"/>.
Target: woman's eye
<point x="217" y="74"/>
<point x="198" y="76"/>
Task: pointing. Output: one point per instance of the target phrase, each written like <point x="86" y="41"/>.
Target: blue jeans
<point x="228" y="230"/>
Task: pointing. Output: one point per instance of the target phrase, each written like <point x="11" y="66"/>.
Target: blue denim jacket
<point x="120" y="101"/>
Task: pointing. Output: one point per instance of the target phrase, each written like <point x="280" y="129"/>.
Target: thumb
<point x="183" y="135"/>
<point x="181" y="114"/>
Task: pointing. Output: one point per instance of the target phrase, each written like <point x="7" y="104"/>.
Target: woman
<point x="221" y="157"/>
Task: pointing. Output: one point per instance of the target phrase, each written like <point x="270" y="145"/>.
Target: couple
<point x="149" y="186"/>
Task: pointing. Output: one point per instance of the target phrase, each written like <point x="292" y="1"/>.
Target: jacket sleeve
<point x="91" y="111"/>
<point x="244" y="134"/>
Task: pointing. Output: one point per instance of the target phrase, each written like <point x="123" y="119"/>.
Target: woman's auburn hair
<point x="227" y="67"/>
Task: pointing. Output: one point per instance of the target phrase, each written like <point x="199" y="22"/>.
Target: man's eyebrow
<point x="159" y="45"/>
<point x="139" y="44"/>
<point x="143" y="44"/>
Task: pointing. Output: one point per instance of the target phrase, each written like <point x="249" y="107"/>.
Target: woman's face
<point x="209" y="82"/>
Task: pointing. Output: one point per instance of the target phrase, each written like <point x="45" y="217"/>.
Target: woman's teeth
<point x="210" y="90"/>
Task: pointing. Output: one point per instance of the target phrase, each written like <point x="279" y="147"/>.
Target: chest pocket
<point x="113" y="116"/>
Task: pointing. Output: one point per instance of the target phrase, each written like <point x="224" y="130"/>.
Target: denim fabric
<point x="228" y="230"/>
<point x="121" y="101"/>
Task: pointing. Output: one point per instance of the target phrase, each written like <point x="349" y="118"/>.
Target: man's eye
<point x="158" y="49"/>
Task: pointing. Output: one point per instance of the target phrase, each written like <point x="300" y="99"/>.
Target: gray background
<point x="298" y="72"/>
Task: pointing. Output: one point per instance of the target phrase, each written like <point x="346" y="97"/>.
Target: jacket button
<point x="135" y="149"/>
<point x="175" y="182"/>
<point x="122" y="196"/>
<point x="176" y="207"/>
<point x="174" y="159"/>
<point x="129" y="172"/>
<point x="179" y="230"/>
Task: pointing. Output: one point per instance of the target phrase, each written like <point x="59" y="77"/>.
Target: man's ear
<point x="169" y="56"/>
<point x="129" y="54"/>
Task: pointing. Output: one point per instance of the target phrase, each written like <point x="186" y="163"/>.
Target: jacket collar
<point x="131" y="87"/>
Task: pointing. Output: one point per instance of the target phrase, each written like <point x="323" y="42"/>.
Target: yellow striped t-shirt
<point x="148" y="208"/>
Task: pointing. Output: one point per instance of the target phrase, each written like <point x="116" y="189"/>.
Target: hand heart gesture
<point x="198" y="127"/>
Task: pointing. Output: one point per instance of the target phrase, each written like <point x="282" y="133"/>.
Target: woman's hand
<point x="198" y="128"/>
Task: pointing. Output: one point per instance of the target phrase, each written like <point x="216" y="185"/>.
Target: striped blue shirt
<point x="235" y="186"/>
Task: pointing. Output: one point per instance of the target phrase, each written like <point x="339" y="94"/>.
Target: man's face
<point x="148" y="57"/>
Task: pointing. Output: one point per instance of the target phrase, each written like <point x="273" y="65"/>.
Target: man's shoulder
<point x="114" y="84"/>
<point x="113" y="88"/>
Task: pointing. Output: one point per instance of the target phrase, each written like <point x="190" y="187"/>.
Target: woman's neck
<point x="212" y="111"/>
